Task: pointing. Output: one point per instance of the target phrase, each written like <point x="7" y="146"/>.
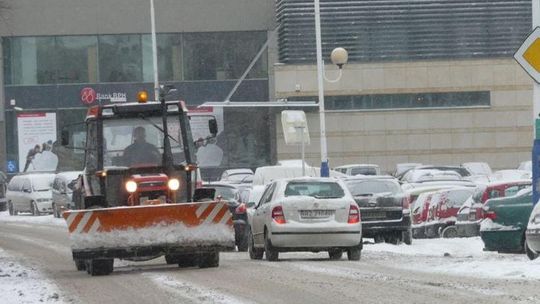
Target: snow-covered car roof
<point x="69" y="175"/>
<point x="369" y="177"/>
<point x="237" y="171"/>
<point x="525" y="165"/>
<point x="478" y="168"/>
<point x="510" y="175"/>
<point x="357" y="165"/>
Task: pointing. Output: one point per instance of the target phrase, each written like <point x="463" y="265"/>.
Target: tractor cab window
<point x="134" y="142"/>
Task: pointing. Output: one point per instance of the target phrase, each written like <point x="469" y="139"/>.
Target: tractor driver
<point x="140" y="151"/>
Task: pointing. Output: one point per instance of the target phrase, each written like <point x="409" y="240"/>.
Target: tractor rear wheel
<point x="99" y="267"/>
<point x="208" y="260"/>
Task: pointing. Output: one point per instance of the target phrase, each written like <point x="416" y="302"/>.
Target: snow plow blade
<point x="150" y="230"/>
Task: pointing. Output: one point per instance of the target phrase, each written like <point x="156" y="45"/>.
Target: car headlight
<point x="131" y="186"/>
<point x="173" y="184"/>
<point x="536" y="219"/>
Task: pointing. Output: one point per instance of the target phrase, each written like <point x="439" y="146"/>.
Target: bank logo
<point x="88" y="96"/>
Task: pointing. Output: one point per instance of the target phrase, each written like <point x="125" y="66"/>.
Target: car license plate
<point x="373" y="215"/>
<point x="472" y="216"/>
<point x="316" y="213"/>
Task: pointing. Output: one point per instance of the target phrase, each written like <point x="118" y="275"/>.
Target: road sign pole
<point x="536" y="116"/>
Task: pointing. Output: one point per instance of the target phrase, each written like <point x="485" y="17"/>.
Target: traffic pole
<point x="536" y="116"/>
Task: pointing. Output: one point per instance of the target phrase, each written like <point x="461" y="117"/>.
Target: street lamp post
<point x="339" y="57"/>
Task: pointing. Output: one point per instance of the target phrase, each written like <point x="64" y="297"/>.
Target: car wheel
<point x="530" y="254"/>
<point x="10" y="209"/>
<point x="379" y="239"/>
<point x="354" y="253"/>
<point x="393" y="239"/>
<point x="243" y="242"/>
<point x="449" y="232"/>
<point x="208" y="260"/>
<point x="80" y="265"/>
<point x="335" y="254"/>
<point x="35" y="210"/>
<point x="99" y="267"/>
<point x="407" y="236"/>
<point x="271" y="253"/>
<point x="254" y="253"/>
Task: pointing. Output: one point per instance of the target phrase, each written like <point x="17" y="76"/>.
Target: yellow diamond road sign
<point x="528" y="55"/>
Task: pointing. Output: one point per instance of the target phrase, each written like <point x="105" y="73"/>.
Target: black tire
<point x="243" y="243"/>
<point x="35" y="210"/>
<point x="378" y="239"/>
<point x="56" y="213"/>
<point x="335" y="254"/>
<point x="449" y="232"/>
<point x="10" y="209"/>
<point x="270" y="252"/>
<point x="80" y="265"/>
<point x="100" y="267"/>
<point x="171" y="259"/>
<point x="406" y="237"/>
<point x="208" y="260"/>
<point x="254" y="253"/>
<point x="354" y="253"/>
<point x="530" y="254"/>
<point x="392" y="239"/>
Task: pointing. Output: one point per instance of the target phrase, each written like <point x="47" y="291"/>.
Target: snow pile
<point x="459" y="256"/>
<point x="20" y="284"/>
<point x="161" y="234"/>
<point x="489" y="225"/>
<point x="48" y="220"/>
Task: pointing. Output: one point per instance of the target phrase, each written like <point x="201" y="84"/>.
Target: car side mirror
<point x="65" y="137"/>
<point x="212" y="126"/>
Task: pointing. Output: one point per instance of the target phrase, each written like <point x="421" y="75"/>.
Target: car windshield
<point x="314" y="189"/>
<point x="226" y="193"/>
<point x="41" y="184"/>
<point x="371" y="187"/>
<point x="139" y="142"/>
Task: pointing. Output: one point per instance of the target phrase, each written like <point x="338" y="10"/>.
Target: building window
<point x="402" y="101"/>
<point x="169" y="47"/>
<point x="120" y="58"/>
<point x="77" y="59"/>
<point x="220" y="56"/>
<point x="50" y="60"/>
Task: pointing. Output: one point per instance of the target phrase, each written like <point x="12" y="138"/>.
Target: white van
<point x="30" y="193"/>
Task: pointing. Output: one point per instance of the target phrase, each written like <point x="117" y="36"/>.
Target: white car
<point x="30" y="193"/>
<point x="62" y="191"/>
<point x="359" y="169"/>
<point x="305" y="214"/>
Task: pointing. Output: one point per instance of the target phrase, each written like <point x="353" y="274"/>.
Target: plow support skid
<point x="152" y="229"/>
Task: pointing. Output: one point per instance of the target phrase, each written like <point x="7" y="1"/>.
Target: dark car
<point x="230" y="194"/>
<point x="384" y="208"/>
<point x="470" y="215"/>
<point x="505" y="222"/>
<point x="3" y="188"/>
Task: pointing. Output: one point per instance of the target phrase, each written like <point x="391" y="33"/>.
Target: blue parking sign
<point x="11" y="166"/>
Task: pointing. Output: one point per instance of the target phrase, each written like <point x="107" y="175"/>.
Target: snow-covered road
<point x="429" y="271"/>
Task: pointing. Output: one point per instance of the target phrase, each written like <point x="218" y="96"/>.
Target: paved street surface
<point x="382" y="276"/>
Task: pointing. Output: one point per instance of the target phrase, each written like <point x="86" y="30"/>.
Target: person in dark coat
<point x="140" y="151"/>
<point x="30" y="156"/>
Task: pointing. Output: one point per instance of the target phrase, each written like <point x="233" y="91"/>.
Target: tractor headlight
<point x="131" y="186"/>
<point x="173" y="184"/>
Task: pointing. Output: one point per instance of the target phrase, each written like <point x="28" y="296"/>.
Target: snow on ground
<point x="28" y="218"/>
<point x="459" y="256"/>
<point x="23" y="284"/>
<point x="195" y="293"/>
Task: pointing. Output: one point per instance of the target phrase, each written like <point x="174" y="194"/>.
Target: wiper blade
<point x="157" y="127"/>
<point x="363" y="194"/>
<point x="317" y="196"/>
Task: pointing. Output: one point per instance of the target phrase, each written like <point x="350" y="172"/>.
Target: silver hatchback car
<point x="305" y="214"/>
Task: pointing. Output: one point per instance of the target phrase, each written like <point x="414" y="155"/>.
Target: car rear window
<point x="371" y="187"/>
<point x="225" y="192"/>
<point x="363" y="171"/>
<point x="315" y="189"/>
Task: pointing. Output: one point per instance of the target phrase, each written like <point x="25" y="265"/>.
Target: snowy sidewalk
<point x="22" y="284"/>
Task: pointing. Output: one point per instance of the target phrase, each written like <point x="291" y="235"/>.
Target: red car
<point x="470" y="215"/>
<point x="420" y="214"/>
<point x="443" y="210"/>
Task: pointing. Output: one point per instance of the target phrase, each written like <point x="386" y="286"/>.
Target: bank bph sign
<point x="89" y="96"/>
